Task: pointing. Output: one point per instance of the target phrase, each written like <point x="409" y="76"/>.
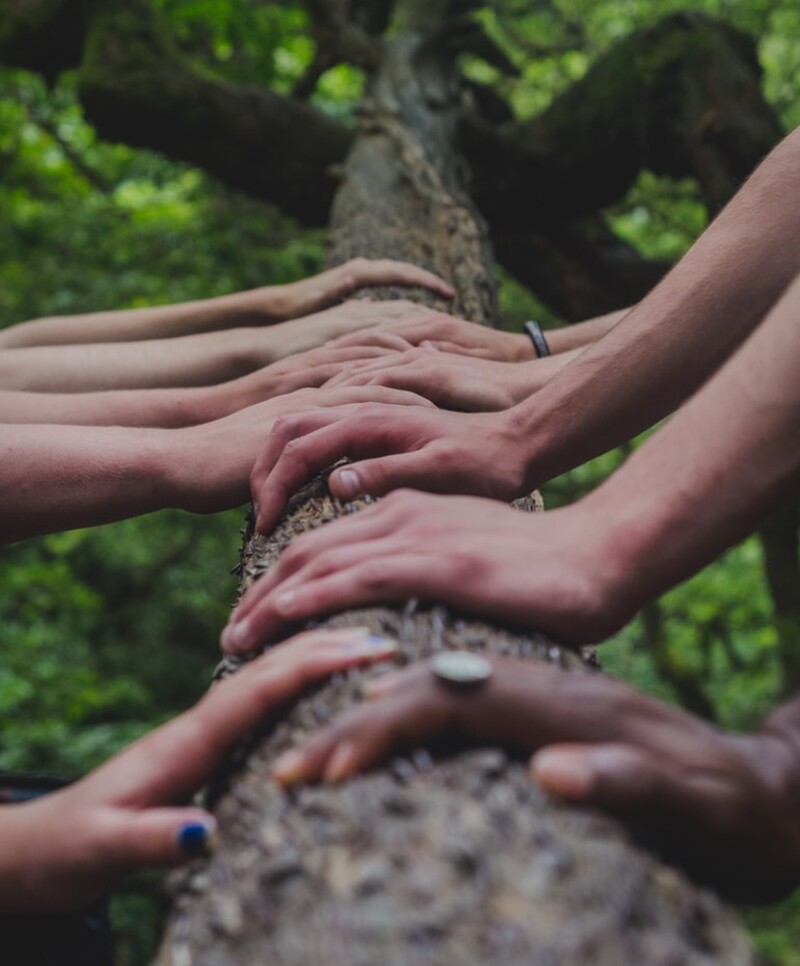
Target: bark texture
<point x="447" y="856"/>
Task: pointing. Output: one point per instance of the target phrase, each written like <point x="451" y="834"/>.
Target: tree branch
<point x="136" y="87"/>
<point x="681" y="99"/>
<point x="581" y="269"/>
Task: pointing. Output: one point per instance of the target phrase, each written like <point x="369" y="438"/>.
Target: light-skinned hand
<point x="339" y="283"/>
<point x="549" y="571"/>
<point x="63" y="850"/>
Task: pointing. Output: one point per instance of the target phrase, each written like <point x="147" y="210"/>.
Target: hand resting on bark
<point x="723" y="805"/>
<point x="65" y="849"/>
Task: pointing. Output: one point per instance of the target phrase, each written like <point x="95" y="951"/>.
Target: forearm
<point x="162" y="408"/>
<point x="196" y="360"/>
<point x="257" y="307"/>
<point x="583" y="334"/>
<point x="524" y="379"/>
<point x="718" y="468"/>
<point x="669" y="344"/>
<point x="63" y="477"/>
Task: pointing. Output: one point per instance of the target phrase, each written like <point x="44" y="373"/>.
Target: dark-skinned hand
<point x="724" y="805"/>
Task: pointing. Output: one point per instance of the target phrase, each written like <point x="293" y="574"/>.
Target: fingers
<point x="417" y="470"/>
<point x="362" y="272"/>
<point x="155" y="837"/>
<point x="169" y="764"/>
<point x="377" y="337"/>
<point x="367" y="735"/>
<point x="371" y="523"/>
<point x="298" y="447"/>
<point x="366" y="582"/>
<point x="617" y="777"/>
<point x="293" y="455"/>
<point x="454" y="348"/>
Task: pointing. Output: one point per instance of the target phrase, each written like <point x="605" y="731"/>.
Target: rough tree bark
<point x="458" y="860"/>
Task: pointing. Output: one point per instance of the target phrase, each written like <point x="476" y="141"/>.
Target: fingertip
<point x="345" y="484"/>
<point x="236" y="636"/>
<point x="342" y="763"/>
<point x="198" y="836"/>
<point x="566" y="773"/>
<point x="289" y="768"/>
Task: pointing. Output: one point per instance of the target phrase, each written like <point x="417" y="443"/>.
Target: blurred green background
<point x="106" y="633"/>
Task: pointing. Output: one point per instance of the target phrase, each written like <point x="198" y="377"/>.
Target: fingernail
<point x="341" y="763"/>
<point x="564" y="774"/>
<point x="371" y="646"/>
<point x="288" y="767"/>
<point x="284" y="602"/>
<point x="198" y="838"/>
<point x="236" y="636"/>
<point x="347" y="483"/>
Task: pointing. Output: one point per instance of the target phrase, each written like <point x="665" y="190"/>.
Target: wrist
<point x="179" y="467"/>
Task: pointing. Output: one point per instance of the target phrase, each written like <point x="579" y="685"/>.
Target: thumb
<point x="378" y="476"/>
<point x="617" y="778"/>
<point x="160" y="836"/>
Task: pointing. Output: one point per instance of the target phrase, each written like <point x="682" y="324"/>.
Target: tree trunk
<point x="459" y="860"/>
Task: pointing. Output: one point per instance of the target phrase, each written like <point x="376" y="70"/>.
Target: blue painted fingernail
<point x="196" y="838"/>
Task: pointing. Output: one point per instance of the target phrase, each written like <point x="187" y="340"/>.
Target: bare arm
<point x="261" y="306"/>
<point x="61" y="477"/>
<point x="193" y="360"/>
<point x="188" y="406"/>
<point x="670" y="343"/>
<point x="582" y="334"/>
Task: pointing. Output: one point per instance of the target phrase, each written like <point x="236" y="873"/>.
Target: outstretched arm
<point x="671" y="342"/>
<point x="188" y="406"/>
<point x="261" y="306"/>
<point x="62" y="477"/>
<point x="192" y="360"/>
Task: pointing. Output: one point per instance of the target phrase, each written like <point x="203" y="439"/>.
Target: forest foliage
<point x="105" y="633"/>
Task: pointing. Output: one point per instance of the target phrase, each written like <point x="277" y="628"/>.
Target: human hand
<point x="207" y="467"/>
<point x="336" y="324"/>
<point x="723" y="805"/>
<point x="451" y="380"/>
<point x="65" y="849"/>
<point x="451" y="334"/>
<point x="552" y="571"/>
<point x="482" y="454"/>
<point x="339" y="283"/>
<point x="303" y="370"/>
